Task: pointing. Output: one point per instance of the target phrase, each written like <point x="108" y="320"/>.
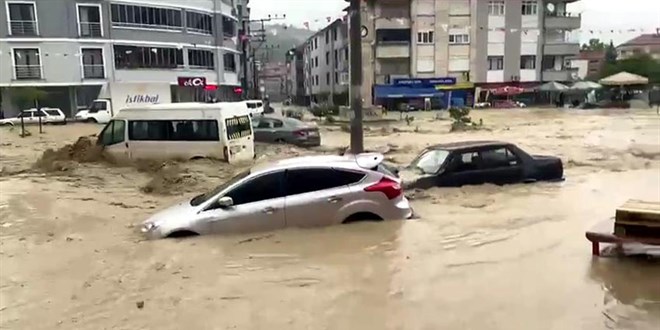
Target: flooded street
<point x="479" y="257"/>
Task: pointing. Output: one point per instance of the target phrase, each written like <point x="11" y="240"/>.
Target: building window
<point x="327" y="78"/>
<point x="495" y="63"/>
<point x="199" y="23"/>
<point x="459" y="39"/>
<point x="496" y="8"/>
<point x="316" y="43"/>
<point x="93" y="64"/>
<point x="316" y="61"/>
<point x="334" y="33"/>
<point x="22" y="19"/>
<point x="27" y="63"/>
<point x="530" y="7"/>
<point x="145" y="17"/>
<point x="229" y="60"/>
<point x="327" y="36"/>
<point x="316" y="80"/>
<point x="425" y="37"/>
<point x="228" y="27"/>
<point x="327" y="58"/>
<point x="89" y="21"/>
<point x="336" y="58"/>
<point x="132" y="57"/>
<point x="201" y="59"/>
<point x="336" y="77"/>
<point x="528" y="62"/>
<point x="346" y="53"/>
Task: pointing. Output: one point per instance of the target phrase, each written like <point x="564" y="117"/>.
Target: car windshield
<point x="200" y="199"/>
<point x="430" y="161"/>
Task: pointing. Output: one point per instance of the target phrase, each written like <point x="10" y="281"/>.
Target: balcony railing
<point x="23" y="28"/>
<point x="90" y="30"/>
<point x="94" y="71"/>
<point x="28" y="71"/>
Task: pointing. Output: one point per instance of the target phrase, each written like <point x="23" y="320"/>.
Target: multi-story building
<point x="588" y="63"/>
<point x="644" y="44"/>
<point x="444" y="45"/>
<point x="72" y="48"/>
<point x="295" y="77"/>
<point x="326" y="64"/>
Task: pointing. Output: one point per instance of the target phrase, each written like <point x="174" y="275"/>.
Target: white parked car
<point x="99" y="112"/>
<point x="297" y="192"/>
<point x="31" y="116"/>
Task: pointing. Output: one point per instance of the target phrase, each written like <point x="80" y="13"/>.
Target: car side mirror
<point x="225" y="201"/>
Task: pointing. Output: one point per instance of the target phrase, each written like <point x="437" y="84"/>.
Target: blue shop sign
<point x="425" y="81"/>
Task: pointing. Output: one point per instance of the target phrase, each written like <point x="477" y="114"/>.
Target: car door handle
<point x="268" y="210"/>
<point x="334" y="199"/>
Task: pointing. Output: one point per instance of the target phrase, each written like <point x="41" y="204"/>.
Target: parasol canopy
<point x="507" y="91"/>
<point x="585" y="85"/>
<point x="553" y="86"/>
<point x="624" y="78"/>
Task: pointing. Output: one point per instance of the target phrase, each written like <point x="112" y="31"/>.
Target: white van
<point x="181" y="131"/>
<point x="256" y="107"/>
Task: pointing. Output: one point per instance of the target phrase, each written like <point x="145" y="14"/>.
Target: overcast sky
<point x="597" y="15"/>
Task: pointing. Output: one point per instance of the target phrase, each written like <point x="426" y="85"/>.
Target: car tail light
<point x="300" y="133"/>
<point x="387" y="186"/>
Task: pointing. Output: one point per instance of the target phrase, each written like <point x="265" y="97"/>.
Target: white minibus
<point x="180" y="131"/>
<point x="256" y="107"/>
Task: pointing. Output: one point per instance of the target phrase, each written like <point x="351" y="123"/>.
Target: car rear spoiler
<point x="369" y="160"/>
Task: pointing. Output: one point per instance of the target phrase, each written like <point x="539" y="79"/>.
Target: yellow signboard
<point x="458" y="85"/>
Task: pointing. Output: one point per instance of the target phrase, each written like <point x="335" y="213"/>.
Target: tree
<point x="593" y="45"/>
<point x="25" y="97"/>
<point x="610" y="53"/>
<point x="643" y="65"/>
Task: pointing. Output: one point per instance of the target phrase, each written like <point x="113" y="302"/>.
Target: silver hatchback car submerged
<point x="302" y="192"/>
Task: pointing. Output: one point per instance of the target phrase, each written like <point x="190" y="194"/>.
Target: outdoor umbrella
<point x="624" y="79"/>
<point x="508" y="91"/>
<point x="553" y="86"/>
<point x="585" y="85"/>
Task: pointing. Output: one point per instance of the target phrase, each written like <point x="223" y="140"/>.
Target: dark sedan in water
<point x="275" y="129"/>
<point x="478" y="162"/>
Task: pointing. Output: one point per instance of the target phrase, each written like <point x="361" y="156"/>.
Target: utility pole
<point x="355" y="49"/>
<point x="258" y="37"/>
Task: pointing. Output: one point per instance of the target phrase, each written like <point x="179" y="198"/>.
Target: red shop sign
<point x="192" y="81"/>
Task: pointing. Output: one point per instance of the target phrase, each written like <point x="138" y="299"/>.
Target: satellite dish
<point x="550" y="7"/>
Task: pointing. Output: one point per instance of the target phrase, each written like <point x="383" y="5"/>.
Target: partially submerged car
<point x="303" y="191"/>
<point x="478" y="162"/>
<point x="32" y="116"/>
<point x="270" y="128"/>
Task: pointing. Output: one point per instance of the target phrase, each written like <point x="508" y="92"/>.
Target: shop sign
<point x="192" y="81"/>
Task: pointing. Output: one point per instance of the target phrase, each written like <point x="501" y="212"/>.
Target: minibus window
<point x="113" y="133"/>
<point x="238" y="127"/>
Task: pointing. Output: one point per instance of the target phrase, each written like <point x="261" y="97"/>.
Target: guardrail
<point x="28" y="71"/>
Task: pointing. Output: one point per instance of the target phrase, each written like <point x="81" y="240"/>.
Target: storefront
<point x="424" y="94"/>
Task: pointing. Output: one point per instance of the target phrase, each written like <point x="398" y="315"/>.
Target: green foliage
<point x="325" y="110"/>
<point x="280" y="39"/>
<point x="610" y="53"/>
<point x="643" y="65"/>
<point x="462" y="121"/>
<point x="24" y="97"/>
<point x="593" y="45"/>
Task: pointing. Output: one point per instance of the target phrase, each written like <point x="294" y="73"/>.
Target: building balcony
<point x="392" y="23"/>
<point x="94" y="71"/>
<point x="28" y="72"/>
<point x="23" y="28"/>
<point x="566" y="74"/>
<point x="393" y="49"/>
<point x="565" y="21"/>
<point x="90" y="30"/>
<point x="561" y="48"/>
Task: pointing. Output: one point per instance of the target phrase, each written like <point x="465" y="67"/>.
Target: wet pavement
<point x="481" y="257"/>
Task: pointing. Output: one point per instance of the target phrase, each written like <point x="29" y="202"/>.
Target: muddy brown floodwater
<point x="485" y="257"/>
